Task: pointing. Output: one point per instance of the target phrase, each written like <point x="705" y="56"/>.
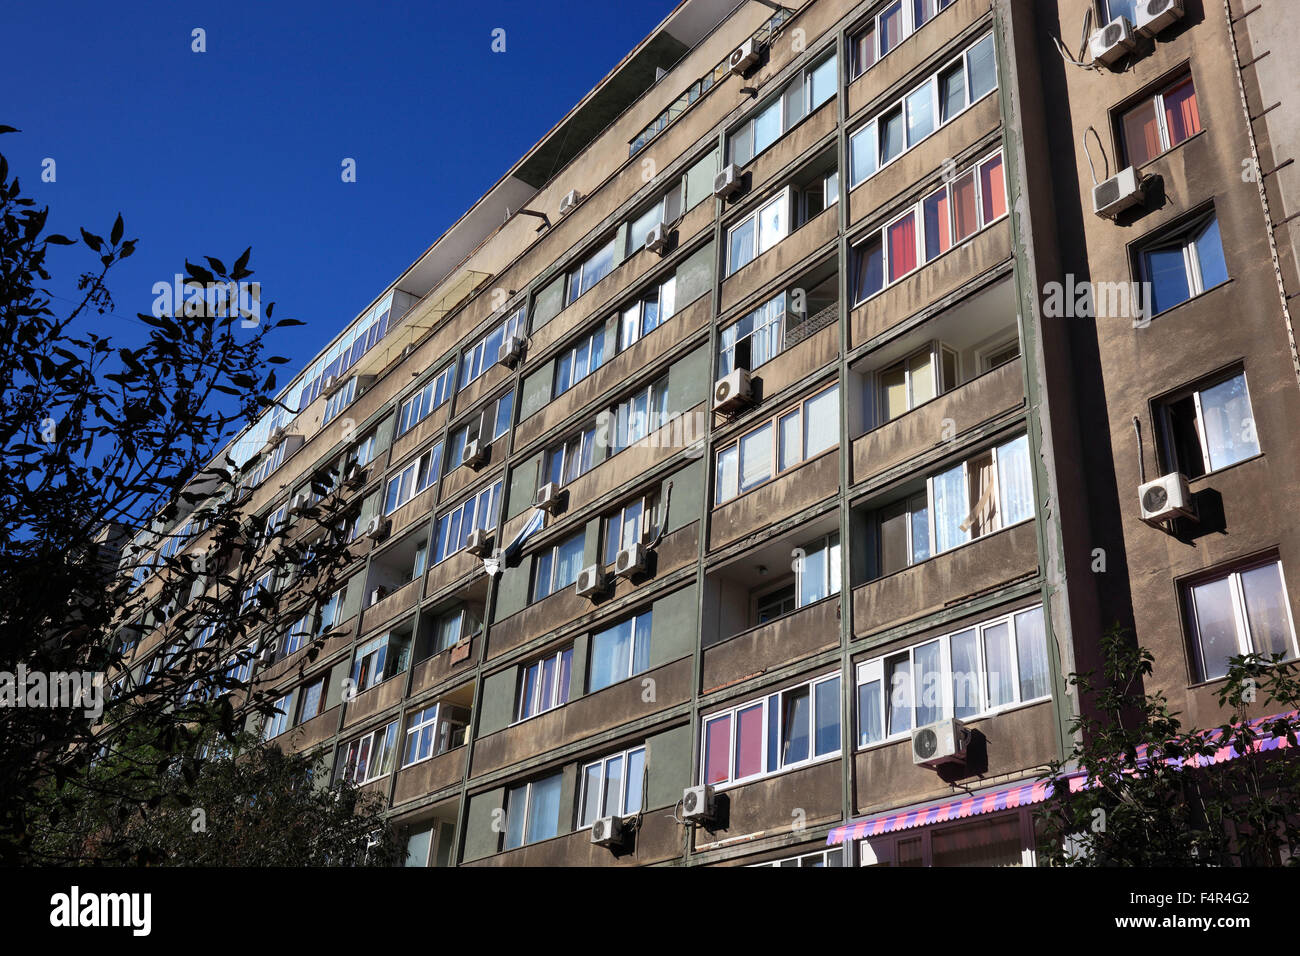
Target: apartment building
<point x="768" y="429"/>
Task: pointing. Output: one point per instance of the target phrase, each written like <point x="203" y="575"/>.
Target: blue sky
<point x="207" y="153"/>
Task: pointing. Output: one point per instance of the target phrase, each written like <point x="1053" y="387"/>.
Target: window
<point x="532" y="812"/>
<point x="478" y="513"/>
<point x="452" y="627"/>
<point x="966" y="674"/>
<point x="798" y="98"/>
<point x="619" y="652"/>
<point x="491" y="423"/>
<point x="636" y="417"/>
<point x="817" y="570"/>
<point x="260" y="589"/>
<point x="985" y="493"/>
<point x="776" y="603"/>
<point x="995" y="840"/>
<point x="666" y="209"/>
<point x="580" y="361"/>
<point x="420" y="473"/>
<point x="792" y="728"/>
<point x="567" y="461"/>
<point x="378" y="660"/>
<point x="1184" y="264"/>
<point x="915" y="380"/>
<point x="482" y="355"/>
<point x="650" y="310"/>
<point x="361" y="454"/>
<point x="629" y="525"/>
<point x="951" y="214"/>
<point x="772" y="448"/>
<point x="1120" y="8"/>
<point x="421" y="735"/>
<point x="266" y="465"/>
<point x="331" y="612"/>
<point x="1244" y="612"/>
<point x="340" y="399"/>
<point x="1160" y="122"/>
<point x="612" y="787"/>
<point x="278" y="720"/>
<point x="544" y="685"/>
<point x="1207" y="427"/>
<point x="758" y="232"/>
<point x="369" y="757"/>
<point x="833" y="857"/>
<point x="241" y="664"/>
<point x="755" y="339"/>
<point x="432" y="395"/>
<point x="557" y="567"/>
<point x="297" y="635"/>
<point x="598" y="265"/>
<point x="309" y="700"/>
<point x="935" y="101"/>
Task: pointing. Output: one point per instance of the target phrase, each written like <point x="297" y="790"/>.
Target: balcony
<point x="659" y="839"/>
<point x="798" y="489"/>
<point x="763" y="808"/>
<point x="804" y="242"/>
<point x="982" y="565"/>
<point x="787" y="639"/>
<point x="374" y="700"/>
<point x="983" y="399"/>
<point x="430" y="776"/>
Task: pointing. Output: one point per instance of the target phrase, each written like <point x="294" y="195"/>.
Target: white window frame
<point x="1165" y="431"/>
<point x="873" y="670"/>
<point x="800" y="408"/>
<point x="582" y="441"/>
<point x="487" y="502"/>
<point x="755" y="219"/>
<point x="642" y="629"/>
<point x="1241" y="621"/>
<point x="665" y="295"/>
<point x="1183" y="237"/>
<point x="527" y="811"/>
<point x="476" y="361"/>
<point x="1157" y="101"/>
<point x="277" y="722"/>
<point x="540" y="694"/>
<point x="765" y="701"/>
<point x="430" y="397"/>
<point x="616" y="524"/>
<point x="578" y="275"/>
<point x="380" y="746"/>
<point x="417" y="723"/>
<point x="603" y="763"/>
<point x="416" y="476"/>
<point x="803" y="79"/>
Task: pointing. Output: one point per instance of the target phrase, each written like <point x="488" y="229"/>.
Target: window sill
<point x="1139" y="323"/>
<point x="952" y="550"/>
<point x="759" y="778"/>
<point x="982" y="716"/>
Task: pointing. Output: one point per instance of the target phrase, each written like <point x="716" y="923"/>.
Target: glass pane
<point x="920" y="114"/>
<point x="741" y="245"/>
<point x="965" y="216"/>
<point x="928" y="678"/>
<point x="1228" y="423"/>
<point x="1182" y="118"/>
<point x="812" y="575"/>
<point x="921" y="370"/>
<point x="1266" y="610"/>
<point x="993" y="189"/>
<point x="772" y="224"/>
<point x="1014" y="481"/>
<point x="862" y="153"/>
<point x="717" y="750"/>
<point x="767" y="127"/>
<point x="727" y="475"/>
<point x="891" y="27"/>
<point x="901" y="237"/>
<point x="893" y="392"/>
<point x="823" y="79"/>
<point x="610" y="652"/>
<point x="870" y="727"/>
<point x="952" y="92"/>
<point x="1141" y="133"/>
<point x="635" y="781"/>
<point x="898" y="684"/>
<point x="791" y="435"/>
<point x="1209" y="256"/>
<point x="891" y="135"/>
<point x="1031" y="654"/>
<point x="982" y="70"/>
<point x="965" y="674"/>
<point x="992" y="843"/>
<point x="870" y="264"/>
<point x="827" y="733"/>
<point x="544" y="809"/>
<point x="793" y="99"/>
<point x="938" y="237"/>
<point x="548" y="684"/>
<point x="1167" y="274"/>
<point x="1216" y="627"/>
<point x="756" y="457"/>
<point x="821" y="422"/>
<point x="795" y="715"/>
<point x="749" y="742"/>
<point x="1002" y="678"/>
<point x="894" y="555"/>
<point x="613" y="786"/>
<point x="866" y="50"/>
<point x="950" y="509"/>
<point x="516" y="806"/>
<point x="590" y="795"/>
<point x="920" y="524"/>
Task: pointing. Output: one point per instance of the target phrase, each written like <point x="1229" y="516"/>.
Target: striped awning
<point x="1027" y="793"/>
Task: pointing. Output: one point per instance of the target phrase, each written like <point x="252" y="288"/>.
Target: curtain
<point x="993" y="189"/>
<point x="965" y="215"/>
<point x="902" y="247"/>
<point x="950" y="507"/>
<point x="749" y="741"/>
<point x="756" y="457"/>
<point x="1031" y="654"/>
<point x="982" y="493"/>
<point x="821" y="422"/>
<point x="1266" y="611"/>
<point x="717" y="750"/>
<point x="1015" y="480"/>
<point x="1142" y="133"/>
<point x="938" y="237"/>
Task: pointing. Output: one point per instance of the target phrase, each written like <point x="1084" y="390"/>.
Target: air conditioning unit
<point x="657" y="239"/>
<point x="743" y="57"/>
<point x="1166" y="497"/>
<point x="476" y="452"/>
<point x="479" y="543"/>
<point x="378" y="528"/>
<point x="607" y="831"/>
<point x="356" y="478"/>
<point x="1118" y="193"/>
<point x="276" y="435"/>
<point x="591" y="581"/>
<point x="936" y="744"/>
<point x="364" y="382"/>
<point x="698" y="804"/>
<point x="549" y="498"/>
<point x="630" y="561"/>
<point x="330" y="385"/>
<point x="727" y="182"/>
<point x="268" y="654"/>
<point x="1154" y="15"/>
<point x="732" y="392"/>
<point x="1112" y="41"/>
<point x="511" y="351"/>
<point x="570" y="200"/>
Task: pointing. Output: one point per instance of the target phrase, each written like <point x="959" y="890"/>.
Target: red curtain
<point x="902" y="247"/>
<point x="993" y="189"/>
<point x="965" y="216"/>
<point x="1182" y="117"/>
